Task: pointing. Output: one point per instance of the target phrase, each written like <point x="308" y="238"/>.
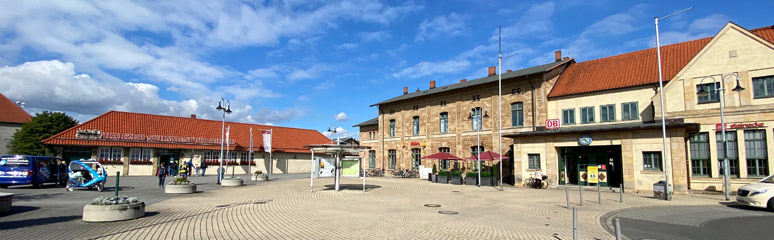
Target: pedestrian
<point x="183" y="170"/>
<point x="538" y="179"/>
<point x="197" y="169"/>
<point x="189" y="168"/>
<point x="204" y="167"/>
<point x="162" y="174"/>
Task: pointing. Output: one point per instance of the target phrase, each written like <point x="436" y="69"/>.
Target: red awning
<point x="486" y="156"/>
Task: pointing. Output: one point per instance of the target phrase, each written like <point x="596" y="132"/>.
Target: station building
<point x="136" y="143"/>
<point x="609" y="114"/>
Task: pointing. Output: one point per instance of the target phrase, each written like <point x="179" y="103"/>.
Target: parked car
<point x="25" y="169"/>
<point x="759" y="194"/>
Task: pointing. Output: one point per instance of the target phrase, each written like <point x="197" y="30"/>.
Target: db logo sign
<point x="553" y="124"/>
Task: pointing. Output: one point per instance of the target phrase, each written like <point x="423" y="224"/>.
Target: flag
<point x="267" y="140"/>
<point x="251" y="145"/>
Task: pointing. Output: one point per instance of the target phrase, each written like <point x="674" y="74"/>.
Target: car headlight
<point x="753" y="193"/>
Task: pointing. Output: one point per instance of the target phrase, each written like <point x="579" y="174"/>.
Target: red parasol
<point x="486" y="156"/>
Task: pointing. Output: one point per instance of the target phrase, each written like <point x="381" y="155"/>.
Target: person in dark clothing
<point x="204" y="167"/>
<point x="162" y="174"/>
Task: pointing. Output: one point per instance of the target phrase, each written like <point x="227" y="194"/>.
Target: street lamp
<point x="722" y="88"/>
<point x="475" y="113"/>
<point x="225" y="110"/>
<point x="332" y="129"/>
<point x="663" y="117"/>
<point x="500" y="100"/>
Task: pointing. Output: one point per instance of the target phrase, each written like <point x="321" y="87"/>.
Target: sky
<point x="309" y="64"/>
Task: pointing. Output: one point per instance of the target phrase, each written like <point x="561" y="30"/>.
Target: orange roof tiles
<point x="634" y="68"/>
<point x="10" y="113"/>
<point x="284" y="139"/>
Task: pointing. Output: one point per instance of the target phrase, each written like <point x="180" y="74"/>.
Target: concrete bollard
<point x="574" y="224"/>
<point x="567" y="193"/>
<point x="620" y="192"/>
<point x="617" y="228"/>
<point x="580" y="190"/>
<point x="599" y="194"/>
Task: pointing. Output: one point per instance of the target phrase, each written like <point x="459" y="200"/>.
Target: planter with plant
<point x="109" y="209"/>
<point x="260" y="176"/>
<point x="231" y="182"/>
<point x="487" y="179"/>
<point x="471" y="178"/>
<point x="433" y="175"/>
<point x="456" y="177"/>
<point x="180" y="185"/>
<point x="443" y="177"/>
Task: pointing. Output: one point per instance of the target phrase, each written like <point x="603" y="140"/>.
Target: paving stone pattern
<point x="391" y="208"/>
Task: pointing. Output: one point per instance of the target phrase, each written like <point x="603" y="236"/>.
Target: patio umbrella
<point x="486" y="156"/>
<point x="442" y="156"/>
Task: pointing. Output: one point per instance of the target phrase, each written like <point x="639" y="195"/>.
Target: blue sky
<point x="308" y="64"/>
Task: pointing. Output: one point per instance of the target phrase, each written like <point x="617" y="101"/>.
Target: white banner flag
<point x="267" y="140"/>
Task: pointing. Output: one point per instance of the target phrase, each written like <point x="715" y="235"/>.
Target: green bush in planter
<point x="435" y="169"/>
<point x="486" y="174"/>
<point x="443" y="173"/>
<point x="456" y="173"/>
<point x="495" y="169"/>
<point x="472" y="174"/>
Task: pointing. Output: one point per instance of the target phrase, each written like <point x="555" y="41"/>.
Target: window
<point x="763" y="86"/>
<point x="118" y="153"/>
<point x="629" y="111"/>
<point x="755" y="147"/>
<point x="476" y="98"/>
<point x="587" y="115"/>
<point x="651" y="161"/>
<point x="243" y="157"/>
<point x="104" y="154"/>
<point x="700" y="154"/>
<point x="476" y="114"/>
<point x="135" y="154"/>
<point x="416" y="154"/>
<point x="416" y="107"/>
<point x="607" y="113"/>
<point x="534" y="161"/>
<point x="416" y="126"/>
<point x="147" y="154"/>
<point x="391" y="159"/>
<point x="568" y="116"/>
<point x="371" y="159"/>
<point x="711" y="89"/>
<point x="233" y="156"/>
<point x="733" y="153"/>
<point x="443" y="103"/>
<point x="207" y="155"/>
<point x="444" y="122"/>
<point x="392" y="128"/>
<point x="517" y="114"/>
<point x="445" y="163"/>
<point x="475" y="150"/>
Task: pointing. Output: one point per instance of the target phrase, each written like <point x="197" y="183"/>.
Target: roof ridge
<point x="78" y="125"/>
<point x="204" y="119"/>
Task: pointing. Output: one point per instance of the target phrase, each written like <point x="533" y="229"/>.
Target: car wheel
<point x="36" y="185"/>
<point x="100" y="187"/>
<point x="771" y="205"/>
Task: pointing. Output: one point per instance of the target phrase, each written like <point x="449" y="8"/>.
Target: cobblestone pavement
<point x="391" y="208"/>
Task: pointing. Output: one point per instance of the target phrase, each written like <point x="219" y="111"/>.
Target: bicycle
<point x="530" y="182"/>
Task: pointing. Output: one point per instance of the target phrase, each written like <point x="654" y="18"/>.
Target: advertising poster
<point x="592" y="174"/>
<point x="325" y="169"/>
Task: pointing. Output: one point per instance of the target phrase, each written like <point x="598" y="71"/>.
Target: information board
<point x="592" y="173"/>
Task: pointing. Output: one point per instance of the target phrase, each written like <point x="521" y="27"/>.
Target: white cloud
<point x="699" y="28"/>
<point x="342" y="117"/>
<point x="324" y="86"/>
<point x="428" y="68"/>
<point x="340" y="133"/>
<point x="380" y="36"/>
<point x="348" y="46"/>
<point x="266" y="115"/>
<point x="442" y="26"/>
<point x="312" y="72"/>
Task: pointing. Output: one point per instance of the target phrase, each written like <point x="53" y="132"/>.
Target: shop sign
<point x="414" y="143"/>
<point x="88" y="134"/>
<point x="739" y="126"/>
<point x="592" y="174"/>
<point x="161" y="138"/>
<point x="553" y="124"/>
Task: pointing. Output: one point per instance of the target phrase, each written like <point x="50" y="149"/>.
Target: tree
<point x="29" y="139"/>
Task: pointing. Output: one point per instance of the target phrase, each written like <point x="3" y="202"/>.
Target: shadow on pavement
<point x="351" y="187"/>
<point x="19" y="209"/>
<point x="743" y="207"/>
<point x="37" y="221"/>
<point x="24" y="197"/>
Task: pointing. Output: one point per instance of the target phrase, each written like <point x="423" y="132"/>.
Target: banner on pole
<point x="250" y="159"/>
<point x="267" y="140"/>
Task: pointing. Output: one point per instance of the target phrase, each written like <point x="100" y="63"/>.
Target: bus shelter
<point x="337" y="151"/>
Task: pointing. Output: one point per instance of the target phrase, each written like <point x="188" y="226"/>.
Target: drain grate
<point x="432" y="205"/>
<point x="448" y="212"/>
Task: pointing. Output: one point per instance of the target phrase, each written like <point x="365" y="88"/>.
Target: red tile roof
<point x="284" y="139"/>
<point x="634" y="68"/>
<point x="10" y="113"/>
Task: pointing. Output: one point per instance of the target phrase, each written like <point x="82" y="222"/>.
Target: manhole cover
<point x="261" y="202"/>
<point x="448" y="212"/>
<point x="548" y="225"/>
<point x="223" y="205"/>
<point x="432" y="205"/>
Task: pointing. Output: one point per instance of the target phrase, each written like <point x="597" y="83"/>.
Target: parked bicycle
<point x="531" y="181"/>
<point x="375" y="173"/>
<point x="404" y="173"/>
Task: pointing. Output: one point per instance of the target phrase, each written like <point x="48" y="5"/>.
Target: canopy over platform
<point x="336" y="150"/>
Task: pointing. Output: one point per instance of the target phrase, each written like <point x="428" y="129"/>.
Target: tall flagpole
<point x="271" y="160"/>
<point x="250" y="154"/>
<point x="500" y="101"/>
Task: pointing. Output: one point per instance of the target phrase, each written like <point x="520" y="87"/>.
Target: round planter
<point x="182" y="189"/>
<point x="231" y="182"/>
<point x="5" y="202"/>
<point x="261" y="177"/>
<point x="111" y="213"/>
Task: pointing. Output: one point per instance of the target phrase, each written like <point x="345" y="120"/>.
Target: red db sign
<point x="553" y="124"/>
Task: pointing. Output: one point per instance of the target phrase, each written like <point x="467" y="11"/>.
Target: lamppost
<point x="722" y="88"/>
<point x="333" y="131"/>
<point x="475" y="114"/>
<point x="663" y="117"/>
<point x="225" y="110"/>
<point x="500" y="100"/>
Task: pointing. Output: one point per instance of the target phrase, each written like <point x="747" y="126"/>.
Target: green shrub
<point x="456" y="173"/>
<point x="472" y="174"/>
<point x="180" y="181"/>
<point x="443" y="173"/>
<point x="435" y="169"/>
<point x="495" y="169"/>
<point x="486" y="174"/>
<point x="258" y="172"/>
<point x="105" y="200"/>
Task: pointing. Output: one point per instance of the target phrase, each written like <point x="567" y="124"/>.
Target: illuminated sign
<point x="553" y="124"/>
<point x="739" y="126"/>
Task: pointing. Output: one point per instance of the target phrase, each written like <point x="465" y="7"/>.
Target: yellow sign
<point x="593" y="170"/>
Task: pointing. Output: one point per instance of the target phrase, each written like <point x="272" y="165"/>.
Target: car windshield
<point x="769" y="179"/>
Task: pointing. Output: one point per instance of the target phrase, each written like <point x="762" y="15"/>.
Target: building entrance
<point x="171" y="157"/>
<point x="574" y="163"/>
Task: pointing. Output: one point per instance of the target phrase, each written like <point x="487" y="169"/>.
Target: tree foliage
<point x="28" y="140"/>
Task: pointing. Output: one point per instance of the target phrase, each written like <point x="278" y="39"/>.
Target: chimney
<point x="193" y="116"/>
<point x="417" y="89"/>
<point x="558" y="54"/>
<point x="508" y="70"/>
<point x="463" y="80"/>
<point x="432" y="84"/>
<point x="492" y="71"/>
<point x="565" y="58"/>
<point x="405" y="90"/>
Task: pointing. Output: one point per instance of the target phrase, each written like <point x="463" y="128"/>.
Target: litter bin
<point x="659" y="190"/>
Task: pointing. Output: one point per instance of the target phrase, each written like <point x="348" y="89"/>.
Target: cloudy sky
<point x="308" y="64"/>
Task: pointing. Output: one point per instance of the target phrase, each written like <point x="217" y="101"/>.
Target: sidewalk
<point x="391" y="208"/>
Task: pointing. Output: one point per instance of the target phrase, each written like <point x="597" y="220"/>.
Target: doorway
<point x="171" y="157"/>
<point x="574" y="163"/>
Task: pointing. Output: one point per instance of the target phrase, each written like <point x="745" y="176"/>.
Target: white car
<point x="759" y="194"/>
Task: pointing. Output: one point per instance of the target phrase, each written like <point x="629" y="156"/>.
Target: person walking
<point x="162" y="174"/>
<point x="538" y="179"/>
<point x="204" y="167"/>
<point x="189" y="168"/>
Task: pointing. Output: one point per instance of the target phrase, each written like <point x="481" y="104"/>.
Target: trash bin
<point x="659" y="190"/>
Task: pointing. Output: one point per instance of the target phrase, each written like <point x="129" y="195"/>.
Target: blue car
<point x="35" y="170"/>
<point x="86" y="174"/>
